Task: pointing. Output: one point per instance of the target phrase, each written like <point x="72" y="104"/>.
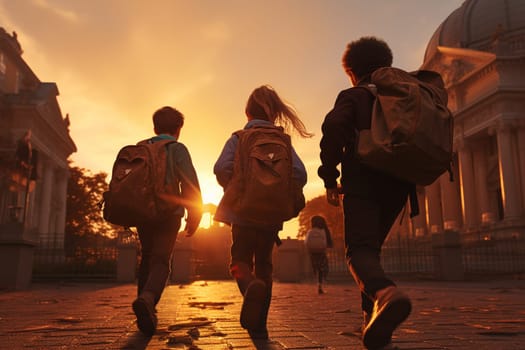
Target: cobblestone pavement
<point x="204" y="315"/>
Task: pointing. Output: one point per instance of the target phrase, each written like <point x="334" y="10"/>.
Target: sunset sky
<point x="116" y="61"/>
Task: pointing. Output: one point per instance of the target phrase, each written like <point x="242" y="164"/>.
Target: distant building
<point x="34" y="144"/>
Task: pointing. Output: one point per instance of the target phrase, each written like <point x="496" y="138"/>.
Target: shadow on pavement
<point x="136" y="341"/>
<point x="260" y="344"/>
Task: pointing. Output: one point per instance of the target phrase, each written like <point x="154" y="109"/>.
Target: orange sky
<point x="116" y="61"/>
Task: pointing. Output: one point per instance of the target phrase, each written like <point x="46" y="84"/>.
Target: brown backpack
<point x="411" y="130"/>
<point x="262" y="189"/>
<point x="138" y="193"/>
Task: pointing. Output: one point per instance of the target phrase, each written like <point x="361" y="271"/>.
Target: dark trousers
<point x="368" y="221"/>
<point x="319" y="263"/>
<point x="251" y="258"/>
<point x="157" y="241"/>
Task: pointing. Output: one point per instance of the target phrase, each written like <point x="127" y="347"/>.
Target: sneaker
<point x="320" y="290"/>
<point x="146" y="318"/>
<point x="366" y="320"/>
<point x="253" y="304"/>
<point x="390" y="309"/>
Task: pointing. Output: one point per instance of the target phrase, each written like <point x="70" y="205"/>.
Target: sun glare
<point x="211" y="191"/>
<point x="211" y="196"/>
<point x="206" y="221"/>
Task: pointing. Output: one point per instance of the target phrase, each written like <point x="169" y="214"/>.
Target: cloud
<point x="189" y="88"/>
<point x="117" y="61"/>
<point x="62" y="13"/>
<point x="217" y="31"/>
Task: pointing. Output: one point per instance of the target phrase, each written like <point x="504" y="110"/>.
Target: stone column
<point x="61" y="196"/>
<point x="403" y="223"/>
<point x="289" y="260"/>
<point x="419" y="222"/>
<point x="435" y="214"/>
<point x="507" y="169"/>
<point x="45" y="202"/>
<point x="183" y="266"/>
<point x="521" y="154"/>
<point x="451" y="200"/>
<point x="127" y="257"/>
<point x="16" y="259"/>
<point x="448" y="258"/>
<point x="31" y="207"/>
<point x="468" y="190"/>
<point x="480" y="166"/>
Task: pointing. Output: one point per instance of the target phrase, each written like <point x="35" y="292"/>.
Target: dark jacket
<point x="352" y="111"/>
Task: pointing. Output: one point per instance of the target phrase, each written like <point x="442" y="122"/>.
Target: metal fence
<point x="91" y="258"/>
<point x="84" y="263"/>
<point x="409" y="256"/>
<point x="494" y="256"/>
<point x="337" y="266"/>
<point x="480" y="255"/>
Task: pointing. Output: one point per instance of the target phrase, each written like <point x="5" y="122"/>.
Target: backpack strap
<point x="171" y="169"/>
<point x="361" y="118"/>
<point x="164" y="142"/>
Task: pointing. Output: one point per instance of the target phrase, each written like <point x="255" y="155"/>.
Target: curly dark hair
<point x="365" y="55"/>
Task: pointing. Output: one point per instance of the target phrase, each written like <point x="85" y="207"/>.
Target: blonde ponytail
<point x="265" y="104"/>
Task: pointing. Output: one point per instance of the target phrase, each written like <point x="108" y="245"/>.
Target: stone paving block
<point x="299" y="342"/>
<point x="455" y="316"/>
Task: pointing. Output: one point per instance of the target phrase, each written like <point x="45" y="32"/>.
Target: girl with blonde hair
<point x="251" y="250"/>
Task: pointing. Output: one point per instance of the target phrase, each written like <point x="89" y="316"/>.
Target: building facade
<point x="480" y="51"/>
<point x="34" y="147"/>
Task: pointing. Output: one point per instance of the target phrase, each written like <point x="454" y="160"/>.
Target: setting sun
<point x="211" y="191"/>
<point x="110" y="97"/>
<point x="120" y="67"/>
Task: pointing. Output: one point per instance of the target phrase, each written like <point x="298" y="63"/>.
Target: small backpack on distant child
<point x="138" y="192"/>
<point x="315" y="240"/>
<point x="411" y="129"/>
<point x="262" y="189"/>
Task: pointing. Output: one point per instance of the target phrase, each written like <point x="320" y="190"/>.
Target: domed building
<point x="480" y="52"/>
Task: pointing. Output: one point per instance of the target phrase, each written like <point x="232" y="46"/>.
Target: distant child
<point x="251" y="251"/>
<point x="317" y="240"/>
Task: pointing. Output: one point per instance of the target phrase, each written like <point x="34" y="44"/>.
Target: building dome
<point x="496" y="26"/>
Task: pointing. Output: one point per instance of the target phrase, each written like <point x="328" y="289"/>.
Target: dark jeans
<point x="367" y="224"/>
<point x="251" y="258"/>
<point x="319" y="263"/>
<point x="157" y="241"/>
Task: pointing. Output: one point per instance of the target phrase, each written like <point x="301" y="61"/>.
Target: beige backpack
<point x="262" y="190"/>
